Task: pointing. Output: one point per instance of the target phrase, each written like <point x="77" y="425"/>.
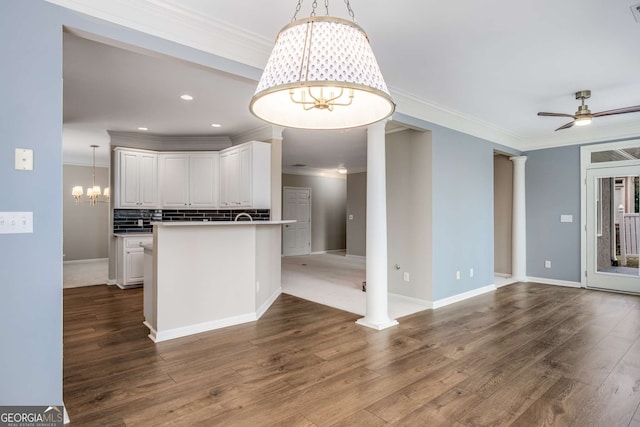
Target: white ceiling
<point x="485" y="68"/>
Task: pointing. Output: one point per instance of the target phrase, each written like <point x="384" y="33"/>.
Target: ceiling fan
<point x="583" y="116"/>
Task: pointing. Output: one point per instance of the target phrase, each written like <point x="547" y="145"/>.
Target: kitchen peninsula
<point x="205" y="275"/>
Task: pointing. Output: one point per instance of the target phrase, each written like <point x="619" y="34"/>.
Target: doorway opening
<point x="611" y="216"/>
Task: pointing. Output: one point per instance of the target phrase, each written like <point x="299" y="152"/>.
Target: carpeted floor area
<point x="335" y="280"/>
<point x="85" y="273"/>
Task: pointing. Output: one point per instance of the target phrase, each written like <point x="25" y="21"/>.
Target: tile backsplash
<point x="126" y="220"/>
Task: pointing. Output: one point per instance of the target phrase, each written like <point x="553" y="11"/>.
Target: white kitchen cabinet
<point x="245" y="176"/>
<point x="130" y="260"/>
<point x="189" y="180"/>
<point x="136" y="179"/>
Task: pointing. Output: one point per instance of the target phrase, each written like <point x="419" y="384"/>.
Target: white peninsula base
<point x="209" y="275"/>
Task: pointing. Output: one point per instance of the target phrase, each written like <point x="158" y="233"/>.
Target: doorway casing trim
<point x="585" y="164"/>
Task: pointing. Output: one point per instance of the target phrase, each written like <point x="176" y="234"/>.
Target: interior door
<point x="613" y="228"/>
<point x="296" y="237"/>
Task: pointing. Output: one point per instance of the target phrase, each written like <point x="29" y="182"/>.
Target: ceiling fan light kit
<point x="322" y="74"/>
<point x="584" y="116"/>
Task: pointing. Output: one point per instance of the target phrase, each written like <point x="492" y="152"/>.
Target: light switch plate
<point x="24" y="159"/>
<point x="16" y="222"/>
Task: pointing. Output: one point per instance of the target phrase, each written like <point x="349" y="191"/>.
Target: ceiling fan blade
<point x="556" y="115"/>
<point x="634" y="109"/>
<point x="567" y="126"/>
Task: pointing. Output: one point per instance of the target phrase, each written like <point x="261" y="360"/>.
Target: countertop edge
<point x="209" y="223"/>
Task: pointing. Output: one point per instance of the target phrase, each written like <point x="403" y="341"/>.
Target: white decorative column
<point x="377" y="314"/>
<point x="519" y="221"/>
<point x="276" y="172"/>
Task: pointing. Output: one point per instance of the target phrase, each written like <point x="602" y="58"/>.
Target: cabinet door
<point x="203" y="180"/>
<point x="148" y="180"/>
<point x="135" y="266"/>
<point x="224" y="180"/>
<point x="229" y="170"/>
<point x="128" y="170"/>
<point x="175" y="180"/>
<point x="233" y="175"/>
<point x="244" y="179"/>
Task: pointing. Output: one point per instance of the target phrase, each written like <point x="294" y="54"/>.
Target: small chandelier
<point x="93" y="192"/>
<point x="322" y="74"/>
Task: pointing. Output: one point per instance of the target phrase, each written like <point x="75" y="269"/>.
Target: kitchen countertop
<point x="208" y="223"/>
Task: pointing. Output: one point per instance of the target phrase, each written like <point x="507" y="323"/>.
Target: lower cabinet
<point x="130" y="260"/>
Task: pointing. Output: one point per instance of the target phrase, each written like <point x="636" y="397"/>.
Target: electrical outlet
<point x="406" y="276"/>
<point x="457" y="275"/>
<point x="471" y="272"/>
<point x="547" y="264"/>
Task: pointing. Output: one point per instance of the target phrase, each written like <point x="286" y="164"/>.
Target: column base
<point x="376" y="325"/>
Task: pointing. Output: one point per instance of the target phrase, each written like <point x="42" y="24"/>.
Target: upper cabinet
<point x="245" y="176"/>
<point x="189" y="180"/>
<point x="136" y="179"/>
<point x="236" y="177"/>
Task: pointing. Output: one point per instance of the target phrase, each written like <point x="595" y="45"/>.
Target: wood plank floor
<point x="525" y="355"/>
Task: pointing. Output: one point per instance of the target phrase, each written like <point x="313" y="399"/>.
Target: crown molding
<point x="172" y="21"/>
<point x="168" y="142"/>
<point x="413" y="106"/>
<point x="263" y="133"/>
<point x="582" y="135"/>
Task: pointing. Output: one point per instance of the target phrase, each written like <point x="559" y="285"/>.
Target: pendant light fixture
<point x="93" y="192"/>
<point x="322" y="74"/>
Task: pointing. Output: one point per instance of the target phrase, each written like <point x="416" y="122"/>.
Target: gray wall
<point x="357" y="206"/>
<point x="328" y="209"/>
<point x="31" y="111"/>
<point x="85" y="227"/>
<point x="409" y="213"/>
<point x="553" y="188"/>
<point x="502" y="212"/>
<point x="462" y="212"/>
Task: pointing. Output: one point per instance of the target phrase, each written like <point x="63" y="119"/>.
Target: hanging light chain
<point x="353" y="18"/>
<point x="295" y="14"/>
<point x="314" y="6"/>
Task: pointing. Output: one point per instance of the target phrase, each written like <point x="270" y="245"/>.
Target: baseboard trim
<point x="463" y="296"/>
<point x="84" y="261"/>
<point x="159" y="336"/>
<point x="264" y="307"/>
<point x="327" y="251"/>
<point x="503" y="275"/>
<point x="418" y="301"/>
<point x="112" y="282"/>
<point x="65" y="414"/>
<point x="554" y="282"/>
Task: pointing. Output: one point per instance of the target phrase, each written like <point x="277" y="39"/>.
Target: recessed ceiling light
<point x="143" y="128"/>
<point x="342" y="170"/>
<point x="186" y="97"/>
<point x="215" y="125"/>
